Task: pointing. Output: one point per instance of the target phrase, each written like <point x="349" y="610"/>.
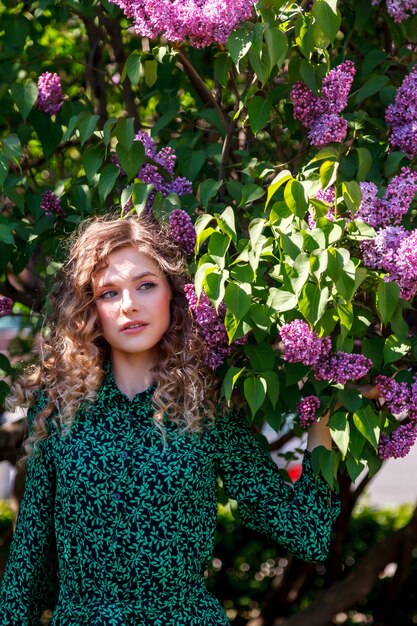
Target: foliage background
<point x="227" y="112"/>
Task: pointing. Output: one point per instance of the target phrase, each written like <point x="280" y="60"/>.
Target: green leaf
<point x="387" y="297"/>
<point x="229" y="381"/>
<point x="133" y="67"/>
<point x="150" y="67"/>
<point x="304" y="34"/>
<point x="299" y="273"/>
<point x="207" y="190"/>
<point x="279" y="180"/>
<point x="93" y="157"/>
<point x="313" y="302"/>
<point x="222" y="66"/>
<point x="277" y="43"/>
<point x="328" y="17"/>
<point x="86" y="125"/>
<point x="201" y="274"/>
<point x="373" y="85"/>
<point x="239" y="43"/>
<point x="4" y="169"/>
<point x="328" y="173"/>
<point x="131" y="160"/>
<point x="24" y="96"/>
<point x="340" y="431"/>
<point x="238" y="299"/>
<point x="255" y="393"/>
<point x="214" y="286"/>
<point x="351" y="192"/>
<point x="272" y="382"/>
<point x="125" y="132"/>
<point x="227" y="224"/>
<point x="5" y="365"/>
<point x="395" y="348"/>
<point x="295" y="198"/>
<point x="354" y="467"/>
<point x="281" y="300"/>
<point x="140" y="196"/>
<point x="261" y="356"/>
<point x="350" y="398"/>
<point x="327" y="461"/>
<point x="259" y="110"/>
<point x="365" y="162"/>
<point x="368" y="424"/>
<point x="12" y="148"/>
<point x="107" y="179"/>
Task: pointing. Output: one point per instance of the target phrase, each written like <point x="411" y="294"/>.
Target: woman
<point x="126" y="443"/>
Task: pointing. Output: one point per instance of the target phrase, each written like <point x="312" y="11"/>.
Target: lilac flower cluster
<point x="50" y="98"/>
<point x="201" y="22"/>
<point x="399" y="10"/>
<point x="394" y="250"/>
<point x="397" y="396"/>
<point x="212" y="326"/>
<point x="182" y="231"/>
<point x="307" y="411"/>
<point x="320" y="113"/>
<point x="342" y="366"/>
<point x="399" y="443"/>
<point x="402" y="116"/>
<point x="302" y="345"/>
<point x="150" y="174"/>
<point x="51" y="204"/>
<point x="380" y="212"/>
<point x="6" y="305"/>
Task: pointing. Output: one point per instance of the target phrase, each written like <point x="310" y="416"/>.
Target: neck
<point x="132" y="372"/>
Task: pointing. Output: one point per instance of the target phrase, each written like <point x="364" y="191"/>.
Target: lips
<point x="133" y="325"/>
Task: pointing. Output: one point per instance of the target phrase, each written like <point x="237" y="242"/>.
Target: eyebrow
<point x="133" y="279"/>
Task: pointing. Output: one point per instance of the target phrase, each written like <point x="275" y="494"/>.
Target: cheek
<point x="106" y="315"/>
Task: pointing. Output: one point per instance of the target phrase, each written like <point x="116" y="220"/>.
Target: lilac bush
<point x="200" y="22"/>
<point x="399" y="443"/>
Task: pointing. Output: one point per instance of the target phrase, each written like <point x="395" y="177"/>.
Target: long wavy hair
<point x="74" y="351"/>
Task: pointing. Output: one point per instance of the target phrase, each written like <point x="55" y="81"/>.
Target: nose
<point x="128" y="301"/>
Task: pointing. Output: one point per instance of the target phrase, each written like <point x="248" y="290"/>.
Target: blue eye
<point x="107" y="294"/>
<point x="146" y="286"/>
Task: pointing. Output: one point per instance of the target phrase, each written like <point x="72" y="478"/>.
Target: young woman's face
<point x="133" y="303"/>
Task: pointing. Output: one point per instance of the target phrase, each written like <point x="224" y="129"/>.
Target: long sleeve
<point x="298" y="518"/>
<point x="32" y="566"/>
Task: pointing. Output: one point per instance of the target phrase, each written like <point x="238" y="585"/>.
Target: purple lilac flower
<point x="320" y="113"/>
<point x="303" y="345"/>
<point x="211" y="325"/>
<point x="382" y="251"/>
<point x="51" y="204"/>
<point x="307" y="410"/>
<point x="341" y="367"/>
<point x="396" y="201"/>
<point x="327" y="128"/>
<point x="6" y="305"/>
<point x="399" y="443"/>
<point x="201" y="22"/>
<point x="406" y="266"/>
<point x="50" y="98"/>
<point x="402" y="116"/>
<point x="397" y="396"/>
<point x="399" y="10"/>
<point x="182" y="231"/>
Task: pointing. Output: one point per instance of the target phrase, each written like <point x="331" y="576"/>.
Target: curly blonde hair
<point x="74" y="352"/>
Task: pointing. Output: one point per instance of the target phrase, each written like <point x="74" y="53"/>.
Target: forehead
<point x="126" y="263"/>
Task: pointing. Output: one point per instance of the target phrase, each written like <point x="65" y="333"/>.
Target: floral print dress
<point x="125" y="525"/>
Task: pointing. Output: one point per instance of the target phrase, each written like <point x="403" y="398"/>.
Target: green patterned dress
<point x="126" y="525"/>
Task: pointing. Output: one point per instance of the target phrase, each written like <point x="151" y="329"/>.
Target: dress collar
<point x="109" y="392"/>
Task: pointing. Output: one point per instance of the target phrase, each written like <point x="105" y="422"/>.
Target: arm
<point x="299" y="518"/>
<point x="31" y="567"/>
